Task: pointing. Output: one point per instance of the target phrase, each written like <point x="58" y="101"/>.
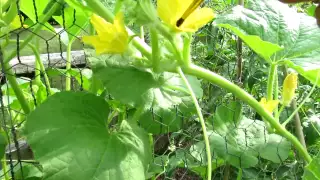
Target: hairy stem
<point x="155" y="50"/>
<point x="244" y="96"/>
<point x="186" y="50"/>
<point x="202" y="122"/>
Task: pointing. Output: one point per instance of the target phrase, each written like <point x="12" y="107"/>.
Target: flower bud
<point x="289" y="86"/>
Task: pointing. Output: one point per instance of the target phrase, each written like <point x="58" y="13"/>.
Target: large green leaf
<point x="312" y="170"/>
<point x="275" y="22"/>
<point x="264" y="48"/>
<point x="69" y="137"/>
<point x="240" y="140"/>
<point x="139" y="87"/>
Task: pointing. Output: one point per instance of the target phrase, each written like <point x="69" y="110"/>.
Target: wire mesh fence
<point x="178" y="148"/>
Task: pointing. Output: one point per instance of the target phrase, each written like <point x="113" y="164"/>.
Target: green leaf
<point x="160" y="122"/>
<point x="276" y="149"/>
<point x="231" y="153"/>
<point x="312" y="170"/>
<point x="28" y="172"/>
<point x="74" y="22"/>
<point x="34" y="9"/>
<point x="275" y="22"/>
<point x="83" y="76"/>
<point x="69" y="137"/>
<point x="139" y="87"/>
<point x="263" y="48"/>
<point x="241" y="143"/>
<point x="227" y="117"/>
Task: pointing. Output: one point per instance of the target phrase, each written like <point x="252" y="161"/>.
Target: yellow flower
<point x="184" y="15"/>
<point x="110" y="38"/>
<point x="289" y="86"/>
<point x="269" y="105"/>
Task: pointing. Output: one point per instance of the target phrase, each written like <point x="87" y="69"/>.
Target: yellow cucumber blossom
<point x="289" y="87"/>
<point x="110" y="38"/>
<point x="184" y="15"/>
<point x="269" y="105"/>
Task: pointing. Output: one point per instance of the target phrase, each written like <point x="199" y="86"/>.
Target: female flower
<point x="269" y="105"/>
<point x="289" y="87"/>
<point x="110" y="38"/>
<point x="184" y="15"/>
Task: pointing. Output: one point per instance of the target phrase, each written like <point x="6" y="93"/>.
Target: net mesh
<point x="177" y="155"/>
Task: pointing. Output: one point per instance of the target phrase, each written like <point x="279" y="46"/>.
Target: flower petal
<point x="95" y="41"/>
<point x="119" y="24"/>
<point x="169" y="11"/>
<point x="197" y="19"/>
<point x="101" y="25"/>
<point x="271" y="105"/>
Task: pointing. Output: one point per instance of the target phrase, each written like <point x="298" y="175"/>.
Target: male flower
<point x="110" y="38"/>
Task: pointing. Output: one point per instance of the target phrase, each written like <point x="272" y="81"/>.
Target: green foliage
<point x="275" y="22"/>
<point x="72" y="126"/>
<point x="114" y="129"/>
<point x="27" y="7"/>
<point x="73" y="21"/>
<point x="312" y="170"/>
<point x="263" y="48"/>
<point x="140" y="87"/>
<point x="240" y="140"/>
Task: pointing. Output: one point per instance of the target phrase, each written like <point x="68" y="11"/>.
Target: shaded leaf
<point x="138" y="87"/>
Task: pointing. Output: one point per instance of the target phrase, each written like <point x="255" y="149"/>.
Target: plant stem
<point x="272" y="72"/>
<point x="38" y="60"/>
<point x="111" y="116"/>
<point x="203" y="125"/>
<point x="276" y="93"/>
<point x="117" y="7"/>
<point x="244" y="96"/>
<point x="42" y="20"/>
<point x="10" y="75"/>
<point x="155" y="50"/>
<point x="186" y="50"/>
<point x="41" y="66"/>
<point x="15" y="86"/>
<point x="37" y="70"/>
<point x="297" y="125"/>
<point x="68" y="66"/>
